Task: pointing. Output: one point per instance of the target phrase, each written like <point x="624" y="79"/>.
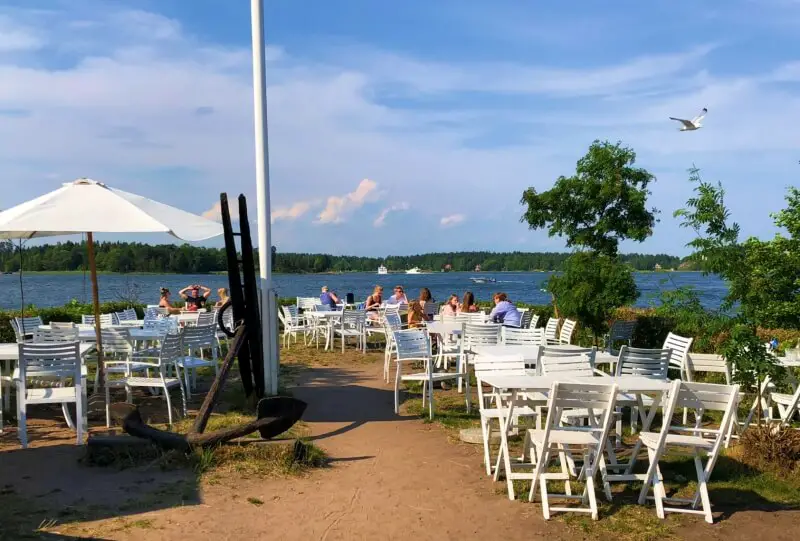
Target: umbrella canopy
<point x="89" y="206"/>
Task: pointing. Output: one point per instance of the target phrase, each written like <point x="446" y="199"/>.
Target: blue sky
<point x="401" y="127"/>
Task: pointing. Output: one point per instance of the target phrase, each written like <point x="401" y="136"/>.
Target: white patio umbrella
<point x="88" y="206"/>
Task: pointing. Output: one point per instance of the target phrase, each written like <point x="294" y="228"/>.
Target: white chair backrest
<point x="481" y="334"/>
<point x="577" y="362"/>
<point x="321" y="308"/>
<point x="206" y="318"/>
<point x="534" y="322"/>
<point x="680" y="349"/>
<point x="124" y="315"/>
<point x="526" y="319"/>
<point x="25" y="326"/>
<point x="431" y="308"/>
<point x="551" y="329"/>
<point x="412" y="344"/>
<point x="507" y="365"/>
<point x="130" y="314"/>
<point x="62" y="325"/>
<point x="650" y="363"/>
<point x="151" y="313"/>
<point x="702" y="398"/>
<point x="55" y="335"/>
<point x="565" y="336"/>
<point x="171" y="348"/>
<point x="522" y="337"/>
<point x="392" y="320"/>
<point x="116" y="341"/>
<point x="708" y="363"/>
<point x="105" y="320"/>
<point x="199" y="336"/>
<point x="307" y="303"/>
<point x="354" y="319"/>
<point x="61" y="359"/>
<point x="471" y="317"/>
<point x="621" y="331"/>
<point x="164" y="325"/>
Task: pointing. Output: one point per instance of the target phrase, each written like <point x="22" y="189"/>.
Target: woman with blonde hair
<point x="222" y="293"/>
<point x="451" y="307"/>
<point x="374" y="301"/>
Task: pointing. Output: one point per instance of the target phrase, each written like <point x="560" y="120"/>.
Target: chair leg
<point x="79" y="416"/>
<point x="108" y="403"/>
<point x="486" y="433"/>
<point x="22" y="419"/>
<point x="702" y="488"/>
<point x="430" y="399"/>
<point x="397" y="390"/>
<point x="169" y="405"/>
<point x="186" y="380"/>
<point x="183" y="400"/>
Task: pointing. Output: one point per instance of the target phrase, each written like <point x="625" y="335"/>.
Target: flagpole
<point x="268" y="317"/>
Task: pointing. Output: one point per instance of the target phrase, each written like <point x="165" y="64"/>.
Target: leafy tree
<point x="591" y="286"/>
<point x="603" y="203"/>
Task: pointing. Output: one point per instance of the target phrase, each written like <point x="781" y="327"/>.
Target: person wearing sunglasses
<point x="399" y="296"/>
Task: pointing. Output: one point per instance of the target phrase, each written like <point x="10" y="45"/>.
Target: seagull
<point x="693" y="124"/>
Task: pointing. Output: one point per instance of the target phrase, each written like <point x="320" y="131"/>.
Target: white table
<point x="444" y="328"/>
<point x="531" y="353"/>
<point x="636" y="385"/>
<point x="329" y="317"/>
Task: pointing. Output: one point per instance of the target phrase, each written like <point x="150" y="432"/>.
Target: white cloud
<point x="292" y="212"/>
<point x="380" y="221"/>
<point x="15" y="37"/>
<point x="450" y="221"/>
<point x="337" y="209"/>
<point x="215" y="212"/>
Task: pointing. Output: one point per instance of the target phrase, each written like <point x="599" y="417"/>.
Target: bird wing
<point x="687" y="123"/>
<point x="700" y="117"/>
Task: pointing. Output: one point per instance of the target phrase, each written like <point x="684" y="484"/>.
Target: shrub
<point x="769" y="447"/>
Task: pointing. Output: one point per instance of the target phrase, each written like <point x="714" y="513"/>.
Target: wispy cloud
<point x="337" y="209"/>
<point x="215" y="212"/>
<point x="380" y="221"/>
<point x="450" y="221"/>
<point x="17" y="38"/>
<point x="292" y="212"/>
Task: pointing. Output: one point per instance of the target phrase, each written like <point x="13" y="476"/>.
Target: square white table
<point x="531" y="382"/>
<point x="329" y="317"/>
<point x="531" y="353"/>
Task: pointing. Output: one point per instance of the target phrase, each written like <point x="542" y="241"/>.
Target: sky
<point x="401" y="127"/>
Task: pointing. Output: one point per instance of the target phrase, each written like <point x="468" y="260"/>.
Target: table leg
<point x="646" y="422"/>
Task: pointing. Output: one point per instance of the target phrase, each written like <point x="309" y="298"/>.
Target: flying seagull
<point x="693" y="124"/>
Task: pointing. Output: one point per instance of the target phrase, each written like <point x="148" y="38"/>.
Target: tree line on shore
<point x="126" y="257"/>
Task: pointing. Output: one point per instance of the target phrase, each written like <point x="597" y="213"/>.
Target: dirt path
<point x="391" y="477"/>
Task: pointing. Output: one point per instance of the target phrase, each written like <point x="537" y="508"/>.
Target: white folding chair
<point x="526" y="318"/>
<point x="574" y="362"/>
<point x="352" y="325"/>
<point x="50" y="362"/>
<point x="621" y="331"/>
<point x="702" y="398"/>
<point x="492" y="404"/>
<point x="55" y="334"/>
<point x="551" y="329"/>
<point x="24" y="327"/>
<point x="680" y="350"/>
<point x="414" y="346"/>
<point x="522" y="337"/>
<point x="391" y="323"/>
<point x="106" y="320"/>
<point x="171" y="350"/>
<point x="556" y="438"/>
<point x="196" y="340"/>
<point x="293" y="325"/>
<point x="649" y="363"/>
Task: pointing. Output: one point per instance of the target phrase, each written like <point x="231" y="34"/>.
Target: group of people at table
<point x="195" y="298"/>
<point x="504" y="311"/>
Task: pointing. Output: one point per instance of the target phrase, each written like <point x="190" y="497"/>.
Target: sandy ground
<point x="391" y="477"/>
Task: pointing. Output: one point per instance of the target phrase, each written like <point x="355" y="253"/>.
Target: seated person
<point x="504" y="311"/>
<point x="416" y="314"/>
<point x="374" y="301"/>
<point x="194" y="298"/>
<point x="328" y="298"/>
<point x="165" y="304"/>
<point x="425" y="297"/>
<point x="399" y="296"/>
<point x="222" y="293"/>
<point x="450" y="308"/>
<point x="468" y="305"/>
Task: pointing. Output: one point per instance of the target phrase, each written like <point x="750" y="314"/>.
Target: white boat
<point x="482" y="280"/>
<point x="415" y="270"/>
<point x="383" y="270"/>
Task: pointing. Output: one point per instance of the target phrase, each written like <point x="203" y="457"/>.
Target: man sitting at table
<point x="504" y="311"/>
<point x="328" y="298"/>
<point x="193" y="298"/>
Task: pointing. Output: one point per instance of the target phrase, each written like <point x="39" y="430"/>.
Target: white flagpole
<point x="268" y="317"/>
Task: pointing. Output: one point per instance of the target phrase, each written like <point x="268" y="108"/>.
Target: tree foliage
<point x="763" y="276"/>
<point x="603" y="203"/>
<point x="591" y="287"/>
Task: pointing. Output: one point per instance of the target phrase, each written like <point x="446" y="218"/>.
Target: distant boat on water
<point x="383" y="270"/>
<point x="482" y="280"/>
<point x="415" y="270"/>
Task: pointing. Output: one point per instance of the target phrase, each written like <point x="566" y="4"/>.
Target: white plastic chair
<point x="171" y="350"/>
<point x="680" y="350"/>
<point x="522" y="337"/>
<point x="106" y="320"/>
<point x="493" y="404"/>
<point x="555" y="438"/>
<point x="25" y="327"/>
<point x="293" y="325"/>
<point x="55" y="334"/>
<point x="391" y="323"/>
<point x="551" y="329"/>
<point x="621" y="331"/>
<point x="196" y="339"/>
<point x="649" y="363"/>
<point x="576" y="362"/>
<point x="352" y="325"/>
<point x="565" y="336"/>
<point x="526" y="318"/>
<point x="414" y="346"/>
<point x="702" y="398"/>
<point x="50" y="362"/>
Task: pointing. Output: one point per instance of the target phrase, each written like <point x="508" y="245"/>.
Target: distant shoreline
<point x="327" y="273"/>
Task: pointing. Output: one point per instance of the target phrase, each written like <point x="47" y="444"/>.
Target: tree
<point x="590" y="287"/>
<point x="603" y="203"/>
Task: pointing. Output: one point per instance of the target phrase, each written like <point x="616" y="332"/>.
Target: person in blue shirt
<point x="504" y="311"/>
<point x="328" y="298"/>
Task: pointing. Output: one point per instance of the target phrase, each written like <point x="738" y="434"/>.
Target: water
<point x="58" y="289"/>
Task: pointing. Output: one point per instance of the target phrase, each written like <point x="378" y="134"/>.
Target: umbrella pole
<point x="96" y="306"/>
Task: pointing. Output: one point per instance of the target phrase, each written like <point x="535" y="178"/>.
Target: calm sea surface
<point x="58" y="289"/>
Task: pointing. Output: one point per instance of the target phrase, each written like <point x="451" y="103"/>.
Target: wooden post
<point x="96" y="305"/>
